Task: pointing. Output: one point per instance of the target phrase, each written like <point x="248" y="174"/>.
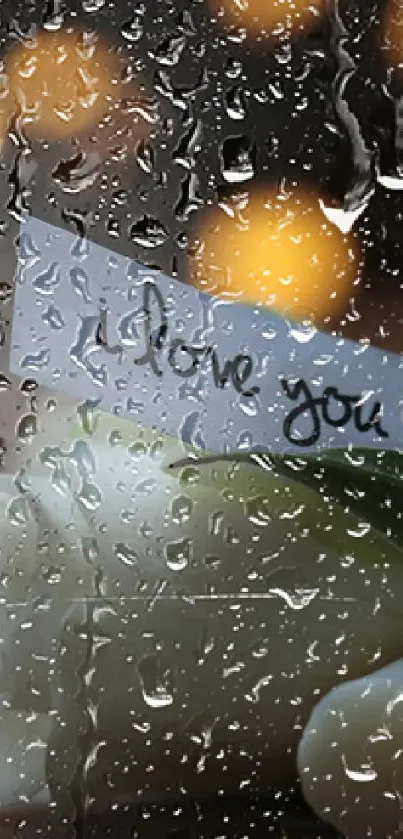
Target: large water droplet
<point x="156" y="681"/>
<point x="19" y="511"/>
<point x="237" y="159"/>
<point x="90" y="6"/>
<point x="53" y="318"/>
<point x="89" y="415"/>
<point x="78" y="173"/>
<point x="257" y="510"/>
<point x="181" y="509"/>
<point x="46" y="282"/>
<point x="125" y="554"/>
<point x="178" y="554"/>
<point x="89" y="496"/>
<point x="27" y="428"/>
<point x="148" y="232"/>
<point x="145" y="156"/>
<point x="133" y="29"/>
<point x="235" y="103"/>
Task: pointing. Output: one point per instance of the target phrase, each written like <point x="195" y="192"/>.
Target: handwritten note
<point x="93" y="324"/>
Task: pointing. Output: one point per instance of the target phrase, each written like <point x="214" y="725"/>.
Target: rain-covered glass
<point x="201" y="487"/>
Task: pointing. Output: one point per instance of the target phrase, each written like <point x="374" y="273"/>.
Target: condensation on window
<point x="200" y="643"/>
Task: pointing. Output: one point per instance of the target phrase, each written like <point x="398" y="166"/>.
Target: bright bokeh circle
<point x="280" y="252"/>
<point x="65" y="79"/>
<point x="271" y="16"/>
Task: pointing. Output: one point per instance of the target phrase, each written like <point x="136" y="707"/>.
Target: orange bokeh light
<point x="271" y="16"/>
<point x="393" y="31"/>
<point x="65" y="79"/>
<point x="281" y="253"/>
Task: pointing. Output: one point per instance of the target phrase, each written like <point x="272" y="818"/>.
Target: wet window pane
<point x="201" y="419"/>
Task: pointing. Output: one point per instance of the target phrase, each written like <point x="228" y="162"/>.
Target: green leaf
<point x="365" y="483"/>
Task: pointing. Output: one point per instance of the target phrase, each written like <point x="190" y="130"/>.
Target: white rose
<point x="227" y="602"/>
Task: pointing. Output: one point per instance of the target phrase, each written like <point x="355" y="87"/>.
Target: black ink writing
<point x="154" y="341"/>
<point x="319" y="409"/>
<point x="235" y="371"/>
<point x="162" y="349"/>
<point x="101" y="335"/>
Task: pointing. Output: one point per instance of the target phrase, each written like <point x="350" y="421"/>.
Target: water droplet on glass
<point x="19" y="511"/>
<point x="89" y="548"/>
<point x="137" y="450"/>
<point x="156" y="681"/>
<point x="170" y="50"/>
<point x="181" y="509"/>
<point x="28" y="252"/>
<point x="115" y="438"/>
<point x="125" y="554"/>
<point x="148" y="232"/>
<point x="54" y="15"/>
<point x="52" y="575"/>
<point x="89" y="416"/>
<point x="362" y="529"/>
<point x="257" y="510"/>
<point x="296" y="600"/>
<point x="185" y="22"/>
<point x="237" y="157"/>
<point x="28" y="387"/>
<point x="89" y="496"/>
<point x="302" y="332"/>
<point x="83" y="458"/>
<point x="364" y="775"/>
<point x="53" y="317"/>
<point x="145" y="156"/>
<point x="6" y="292"/>
<point x="81" y="283"/>
<point x="212" y="562"/>
<point x="233" y="68"/>
<point x="133" y="29"/>
<point x="78" y="173"/>
<point x="235" y="103"/>
<point x="5" y="383"/>
<point x="189" y="200"/>
<point x="178" y="553"/>
<point x="215" y="522"/>
<point x="46" y="282"/>
<point x="36" y="361"/>
<point x="91" y="6"/>
<point x="190" y="475"/>
<point x="27" y="428"/>
<point x="61" y="481"/>
<point x="187" y="146"/>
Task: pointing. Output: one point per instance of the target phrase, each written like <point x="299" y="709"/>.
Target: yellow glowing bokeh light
<point x="282" y="253"/>
<point x="393" y="31"/>
<point x="271" y="16"/>
<point x="66" y="78"/>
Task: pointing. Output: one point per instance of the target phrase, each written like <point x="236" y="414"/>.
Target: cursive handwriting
<point x="318" y="410"/>
<point x="183" y="359"/>
<point x="101" y="333"/>
<point x="162" y="349"/>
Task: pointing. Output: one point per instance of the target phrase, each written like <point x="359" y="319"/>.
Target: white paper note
<point x="93" y="324"/>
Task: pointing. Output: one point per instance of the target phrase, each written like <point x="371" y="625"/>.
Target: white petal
<point x="350" y="755"/>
